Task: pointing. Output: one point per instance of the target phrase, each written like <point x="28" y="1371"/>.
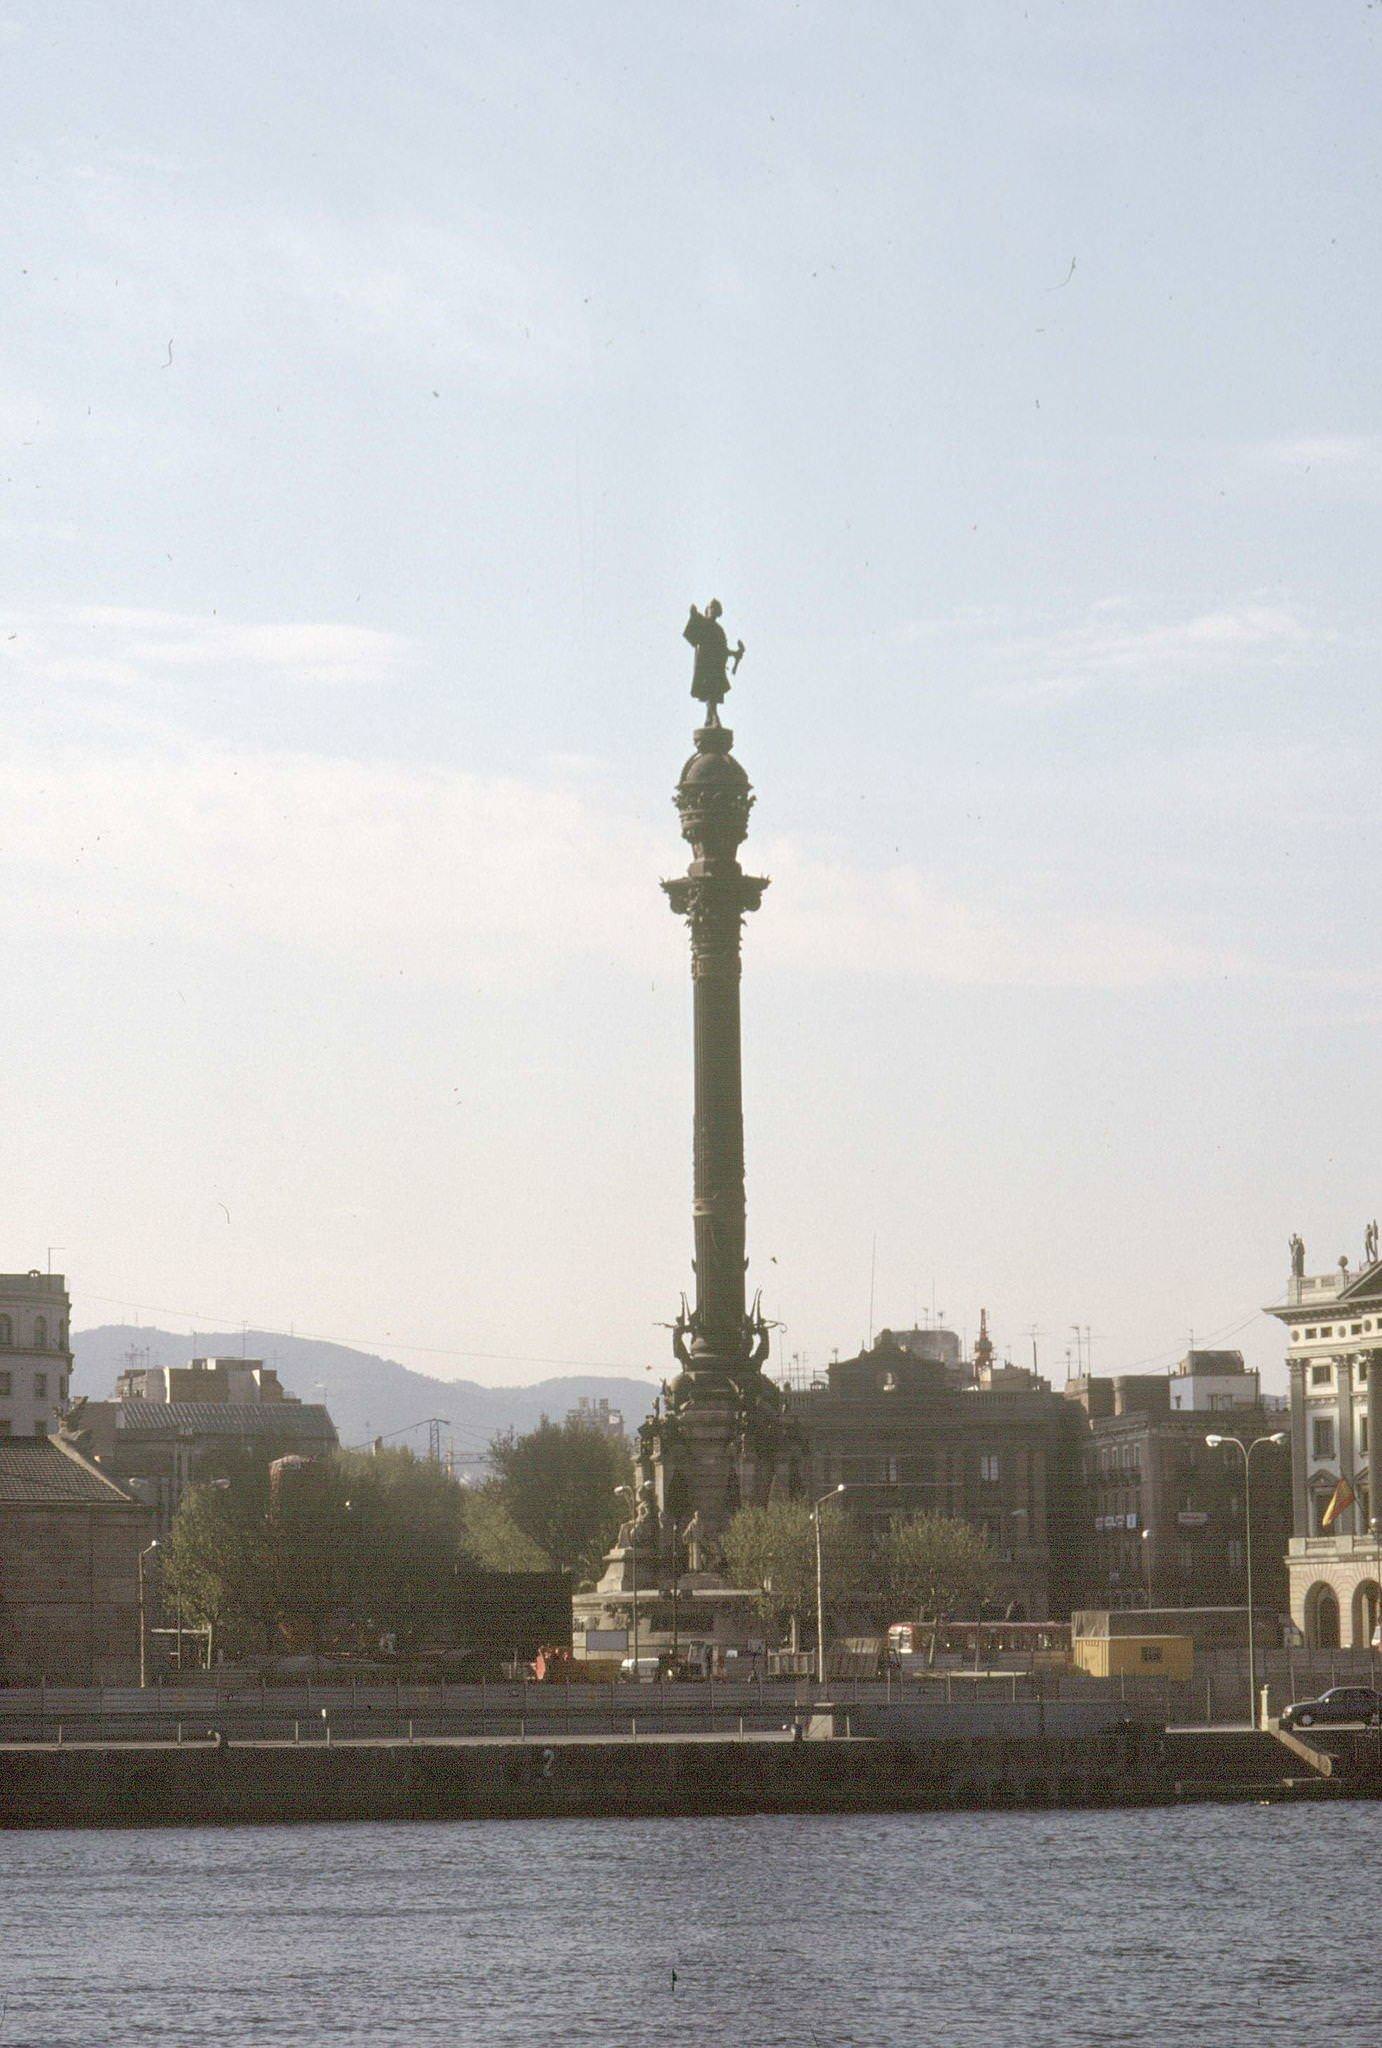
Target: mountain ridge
<point x="368" y="1395"/>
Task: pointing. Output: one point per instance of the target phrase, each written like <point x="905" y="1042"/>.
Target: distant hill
<point x="367" y="1396"/>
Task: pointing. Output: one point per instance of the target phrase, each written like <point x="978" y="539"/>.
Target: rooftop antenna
<point x="1033" y="1332"/>
<point x="873" y="1275"/>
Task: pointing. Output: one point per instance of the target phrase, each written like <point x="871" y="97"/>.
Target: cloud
<point x="462" y="292"/>
<point x="122" y="646"/>
<point x="1352" y="454"/>
<point x="901" y="923"/>
<point x="1109" y="649"/>
<point x="444" y="876"/>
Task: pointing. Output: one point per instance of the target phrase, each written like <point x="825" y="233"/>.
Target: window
<point x="1151" y="1653"/>
<point x="1362" y="1436"/>
<point x="40" y="1386"/>
<point x="6" y="1330"/>
<point x="5" y="1386"/>
<point x="1319" y="1375"/>
<point x="40" y="1333"/>
<point x="4" y="1425"/>
<point x="1355" y="1329"/>
<point x="988" y="1467"/>
<point x="1234" y="1551"/>
<point x="40" y="1427"/>
<point x="1322" y="1437"/>
<point x="1310" y="1335"/>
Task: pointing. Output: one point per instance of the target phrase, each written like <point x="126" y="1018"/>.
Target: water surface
<point x="1202" y="1927"/>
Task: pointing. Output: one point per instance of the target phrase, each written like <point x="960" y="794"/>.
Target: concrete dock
<point x="193" y="1783"/>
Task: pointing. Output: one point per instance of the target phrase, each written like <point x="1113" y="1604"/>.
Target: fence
<point x="1217" y="1693"/>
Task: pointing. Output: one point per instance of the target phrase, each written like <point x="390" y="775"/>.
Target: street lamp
<point x="143" y="1619"/>
<point x="1214" y="1441"/>
<point x="820" y="1588"/>
<point x="633" y="1553"/>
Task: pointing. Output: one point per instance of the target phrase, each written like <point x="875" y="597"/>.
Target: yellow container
<point x="1135" y="1656"/>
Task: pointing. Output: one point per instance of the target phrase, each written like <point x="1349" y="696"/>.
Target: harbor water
<point x="1207" y="1926"/>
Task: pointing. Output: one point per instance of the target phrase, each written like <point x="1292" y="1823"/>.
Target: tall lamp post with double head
<point x="144" y="1619"/>
<point x="1214" y="1441"/>
<point x="820" y="1582"/>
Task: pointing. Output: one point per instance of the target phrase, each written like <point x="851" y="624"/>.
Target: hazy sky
<point x="379" y="383"/>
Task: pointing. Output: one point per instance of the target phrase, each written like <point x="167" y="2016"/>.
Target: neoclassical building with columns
<point x="1334" y="1338"/>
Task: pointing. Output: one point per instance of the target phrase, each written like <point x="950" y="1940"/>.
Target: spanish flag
<point x="1341" y="1499"/>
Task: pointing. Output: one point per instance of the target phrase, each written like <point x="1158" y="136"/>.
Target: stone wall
<point x="69" y="1591"/>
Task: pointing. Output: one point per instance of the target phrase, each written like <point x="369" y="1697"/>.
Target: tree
<point x="341" y="1551"/>
<point x="494" y="1539"/>
<point x="219" y="1562"/>
<point x="933" y="1567"/>
<point x="558" y="1486"/>
<point x="398" y="1522"/>
<point x="773" y="1549"/>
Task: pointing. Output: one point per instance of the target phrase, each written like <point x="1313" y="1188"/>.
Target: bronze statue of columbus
<point x="714" y="657"/>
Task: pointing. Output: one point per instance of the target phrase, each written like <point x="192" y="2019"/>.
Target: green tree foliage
<point x="494" y="1539"/>
<point x="402" y="1521"/>
<point x="557" y="1485"/>
<point x="219" y="1563"/>
<point x="933" y="1568"/>
<point x="773" y="1549"/>
<point x="352" y="1548"/>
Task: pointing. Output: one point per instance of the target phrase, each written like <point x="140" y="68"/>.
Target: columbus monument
<point x="716" y="1440"/>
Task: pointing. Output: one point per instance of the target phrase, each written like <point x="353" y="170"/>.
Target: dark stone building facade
<point x="69" y="1568"/>
<point x="989" y="1444"/>
<point x="1162" y="1512"/>
<point x="173" y="1425"/>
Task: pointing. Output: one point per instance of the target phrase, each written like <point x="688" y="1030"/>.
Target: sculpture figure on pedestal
<point x="714" y="656"/>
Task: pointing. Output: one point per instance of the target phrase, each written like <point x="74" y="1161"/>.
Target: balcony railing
<point x="1309" y="1287"/>
<point x="1337" y="1547"/>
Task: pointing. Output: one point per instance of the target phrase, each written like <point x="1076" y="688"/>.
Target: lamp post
<point x="633" y="1554"/>
<point x="820" y="1583"/>
<point x="143" y="1619"/>
<point x="675" y="1589"/>
<point x="1214" y="1441"/>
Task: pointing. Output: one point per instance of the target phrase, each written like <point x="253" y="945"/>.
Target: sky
<point x="380" y="384"/>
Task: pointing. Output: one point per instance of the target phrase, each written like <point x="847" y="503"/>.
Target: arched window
<point x="40" y="1333"/>
<point x="1322" y="1617"/>
<point x="6" y="1330"/>
<point x="1367" y="1612"/>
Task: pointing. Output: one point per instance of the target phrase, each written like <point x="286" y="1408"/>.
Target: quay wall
<point x="198" y="1784"/>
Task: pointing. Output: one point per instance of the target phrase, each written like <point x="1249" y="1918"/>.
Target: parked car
<point x="1340" y="1703"/>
